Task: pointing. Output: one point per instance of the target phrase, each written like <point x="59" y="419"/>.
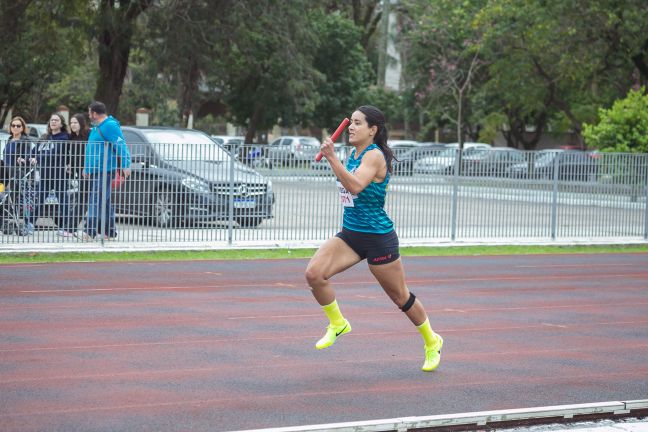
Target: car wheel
<point x="165" y="213"/>
<point x="249" y="222"/>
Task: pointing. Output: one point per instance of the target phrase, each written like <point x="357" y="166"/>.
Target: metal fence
<point x="197" y="195"/>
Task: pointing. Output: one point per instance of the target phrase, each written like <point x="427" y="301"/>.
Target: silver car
<point x="444" y="162"/>
<point x="286" y="150"/>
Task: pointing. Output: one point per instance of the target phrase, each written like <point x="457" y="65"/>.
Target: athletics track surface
<point x="228" y="345"/>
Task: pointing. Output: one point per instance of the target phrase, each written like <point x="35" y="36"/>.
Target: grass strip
<point x="244" y="254"/>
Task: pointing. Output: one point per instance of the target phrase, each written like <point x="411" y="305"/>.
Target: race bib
<point x="346" y="197"/>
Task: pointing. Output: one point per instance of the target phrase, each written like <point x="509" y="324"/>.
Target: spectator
<point x="76" y="203"/>
<point x="49" y="158"/>
<point x="18" y="146"/>
<point x="15" y="160"/>
<point x="106" y="146"/>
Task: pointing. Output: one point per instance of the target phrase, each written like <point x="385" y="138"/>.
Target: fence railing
<point x="197" y="194"/>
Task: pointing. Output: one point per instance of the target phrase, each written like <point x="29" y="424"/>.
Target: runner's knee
<point x="409" y="303"/>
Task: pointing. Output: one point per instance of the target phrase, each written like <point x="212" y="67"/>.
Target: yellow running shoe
<point x="433" y="355"/>
<point x="332" y="333"/>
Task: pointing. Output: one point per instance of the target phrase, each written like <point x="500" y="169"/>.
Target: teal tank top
<point x="365" y="212"/>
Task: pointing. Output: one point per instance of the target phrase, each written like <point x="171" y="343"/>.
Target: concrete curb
<point x="480" y="419"/>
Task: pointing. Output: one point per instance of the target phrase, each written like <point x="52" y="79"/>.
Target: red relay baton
<point x="335" y="136"/>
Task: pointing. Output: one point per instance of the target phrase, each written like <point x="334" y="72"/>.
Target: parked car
<point x="400" y="147"/>
<point x="492" y="162"/>
<point x="405" y="163"/>
<point x="179" y="176"/>
<point x="574" y="165"/>
<point x="229" y="143"/>
<point x="444" y="162"/>
<point x="286" y="149"/>
<point x="322" y="164"/>
<point x="37" y="130"/>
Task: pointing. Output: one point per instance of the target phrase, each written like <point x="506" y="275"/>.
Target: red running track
<point x="229" y="345"/>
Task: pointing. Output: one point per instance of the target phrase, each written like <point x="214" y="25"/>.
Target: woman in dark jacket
<point x="16" y="162"/>
<point x="77" y="203"/>
<point x="49" y="157"/>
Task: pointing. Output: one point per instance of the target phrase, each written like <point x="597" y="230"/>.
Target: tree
<point x="115" y="26"/>
<point x="554" y="63"/>
<point x="267" y="74"/>
<point x="622" y="128"/>
<point x="184" y="38"/>
<point x="36" y="43"/>
<point x="345" y="70"/>
<point x="444" y="58"/>
<point x="365" y="14"/>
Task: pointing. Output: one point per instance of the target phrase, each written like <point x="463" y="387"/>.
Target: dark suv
<point x="182" y="176"/>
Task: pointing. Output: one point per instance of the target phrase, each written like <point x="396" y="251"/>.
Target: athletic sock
<point x="429" y="336"/>
<point x="333" y="313"/>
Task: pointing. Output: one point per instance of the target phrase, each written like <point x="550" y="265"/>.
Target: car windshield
<point x="476" y="153"/>
<point x="545" y="157"/>
<point x="450" y="152"/>
<point x="309" y="142"/>
<point x="185" y="145"/>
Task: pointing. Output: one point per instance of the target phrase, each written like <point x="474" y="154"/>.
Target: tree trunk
<point x="189" y="86"/>
<point x="115" y="33"/>
<point x="252" y="124"/>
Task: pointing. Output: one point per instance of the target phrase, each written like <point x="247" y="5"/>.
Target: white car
<point x="444" y="162"/>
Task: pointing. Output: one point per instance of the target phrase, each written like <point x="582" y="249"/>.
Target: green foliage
<point x="258" y="63"/>
<point x="37" y="43"/>
<point x="389" y="102"/>
<point x="158" y="95"/>
<point x="74" y="87"/>
<point x="443" y="59"/>
<point x="268" y="75"/>
<point x="622" y="128"/>
<point x="345" y="70"/>
<point x="491" y="127"/>
<point x="559" y="60"/>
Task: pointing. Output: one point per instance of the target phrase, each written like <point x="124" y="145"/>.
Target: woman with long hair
<point x="76" y="203"/>
<point x="367" y="233"/>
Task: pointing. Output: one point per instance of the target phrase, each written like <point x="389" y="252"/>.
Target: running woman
<point x="367" y="233"/>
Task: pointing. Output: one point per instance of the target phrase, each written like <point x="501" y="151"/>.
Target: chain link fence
<point x="195" y="194"/>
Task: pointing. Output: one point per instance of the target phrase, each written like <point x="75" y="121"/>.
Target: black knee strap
<point x="409" y="303"/>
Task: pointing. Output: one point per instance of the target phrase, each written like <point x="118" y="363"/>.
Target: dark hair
<point x="375" y="117"/>
<point x="64" y="127"/>
<point x="83" y="128"/>
<point x="97" y="107"/>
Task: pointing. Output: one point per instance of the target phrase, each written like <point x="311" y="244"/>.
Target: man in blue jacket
<point x="106" y="152"/>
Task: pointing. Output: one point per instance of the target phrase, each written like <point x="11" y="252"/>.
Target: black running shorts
<point x="376" y="248"/>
